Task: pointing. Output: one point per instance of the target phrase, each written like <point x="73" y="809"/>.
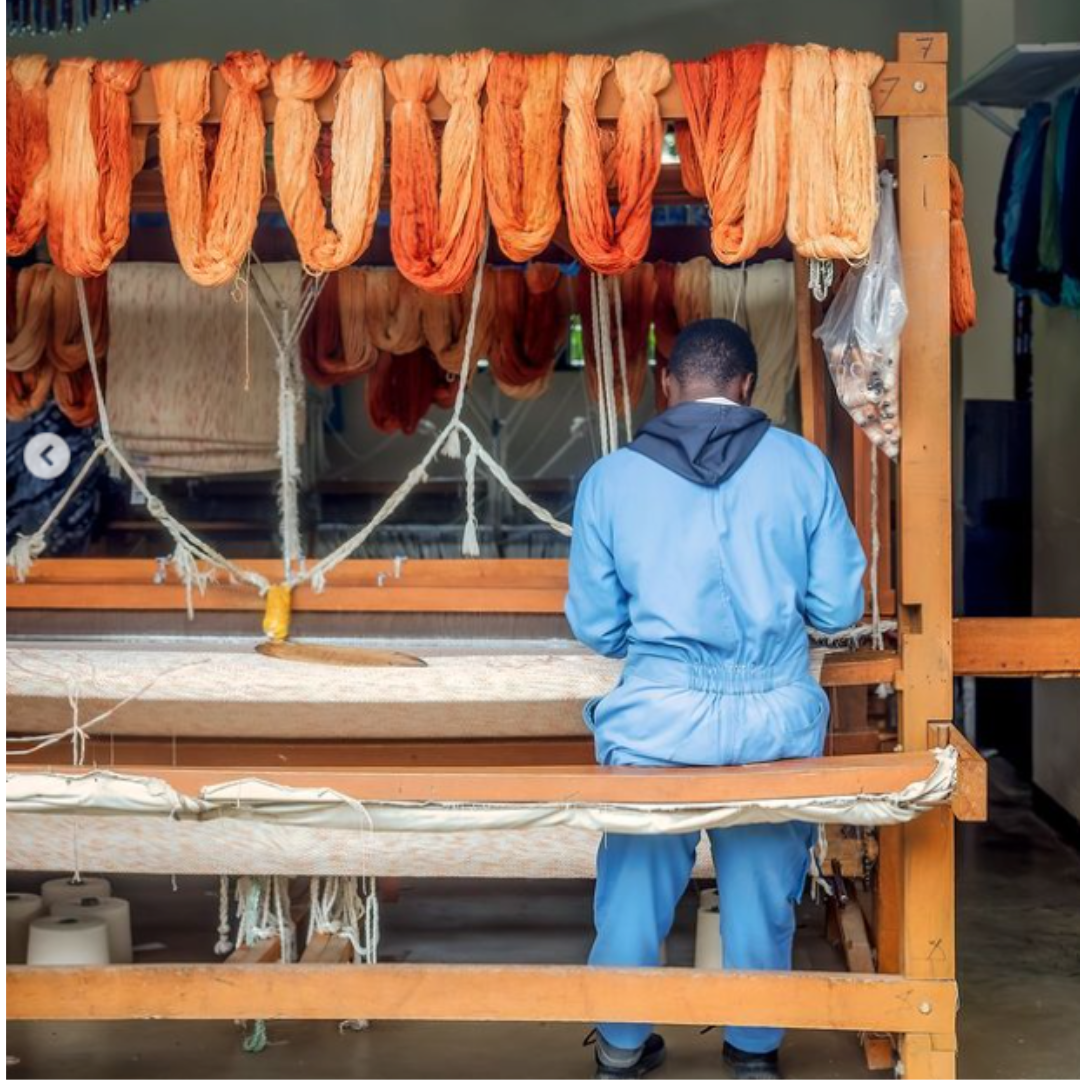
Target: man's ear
<point x="749" y="385"/>
<point x="665" y="384"/>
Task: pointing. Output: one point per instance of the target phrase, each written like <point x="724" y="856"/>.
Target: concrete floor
<point x="1019" y="941"/>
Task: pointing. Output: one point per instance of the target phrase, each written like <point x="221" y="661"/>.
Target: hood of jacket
<point x="702" y="441"/>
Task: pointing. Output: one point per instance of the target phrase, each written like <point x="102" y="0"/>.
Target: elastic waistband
<point x="725" y="678"/>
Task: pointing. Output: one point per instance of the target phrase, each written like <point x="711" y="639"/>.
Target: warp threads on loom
<point x="90" y="145"/>
<point x="833" y="200"/>
<point x="522" y="140"/>
<point x="213" y="218"/>
<point x="962" y="304"/>
<point x="27" y="151"/>
<point x="606" y="246"/>
<point x="356" y="149"/>
<point x="437" y="231"/>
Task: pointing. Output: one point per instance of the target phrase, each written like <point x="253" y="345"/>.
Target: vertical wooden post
<point x="811" y="361"/>
<point x="927" y="946"/>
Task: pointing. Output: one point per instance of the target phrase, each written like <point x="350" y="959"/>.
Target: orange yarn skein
<point x="27" y="151"/>
<point x="606" y="246"/>
<point x="962" y="303"/>
<point x="356" y="153"/>
<point x="522" y="140"/>
<point x="436" y="236"/>
<point x="90" y="145"/>
<point x="213" y="218"/>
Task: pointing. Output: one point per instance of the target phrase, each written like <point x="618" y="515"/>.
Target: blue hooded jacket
<point x="700" y="553"/>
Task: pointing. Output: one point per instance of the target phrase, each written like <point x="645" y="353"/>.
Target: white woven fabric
<point x="256" y="799"/>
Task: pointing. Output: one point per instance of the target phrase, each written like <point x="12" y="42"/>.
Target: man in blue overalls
<point x="700" y="553"/>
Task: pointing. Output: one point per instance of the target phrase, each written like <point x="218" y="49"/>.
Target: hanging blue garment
<point x="1026" y="272"/>
<point x="1005" y="188"/>
<point x="30" y="499"/>
<point x="1068" y="168"/>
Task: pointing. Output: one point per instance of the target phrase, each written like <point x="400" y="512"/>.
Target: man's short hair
<point x="712" y="351"/>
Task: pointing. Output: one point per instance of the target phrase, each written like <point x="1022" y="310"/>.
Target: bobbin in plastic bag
<point x="861" y="332"/>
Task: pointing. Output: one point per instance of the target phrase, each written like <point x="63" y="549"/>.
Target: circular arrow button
<point x="47" y="456"/>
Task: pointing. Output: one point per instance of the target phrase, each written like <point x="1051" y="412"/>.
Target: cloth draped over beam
<point x="192" y="383"/>
<point x="102" y="792"/>
<point x="46" y="350"/>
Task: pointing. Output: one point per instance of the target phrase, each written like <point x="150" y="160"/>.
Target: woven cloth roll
<point x="191" y="391"/>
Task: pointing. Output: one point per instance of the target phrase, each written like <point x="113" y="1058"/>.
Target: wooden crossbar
<point x="482" y="992"/>
<point x="906" y="88"/>
<point x="855" y="774"/>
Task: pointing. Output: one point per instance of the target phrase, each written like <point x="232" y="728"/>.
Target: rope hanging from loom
<point x="356" y="154"/>
<point x="609" y="246"/>
<point x="212" y="218"/>
<point x="522" y="129"/>
<point x="437" y="230"/>
<point x="27" y="151"/>
<point x="833" y="199"/>
<point x="532" y="324"/>
<point x="962" y="304"/>
<point x="735" y="150"/>
<point x="90" y="146"/>
<point x="636" y="294"/>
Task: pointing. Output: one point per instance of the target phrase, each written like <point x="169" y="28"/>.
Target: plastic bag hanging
<point x="861" y="332"/>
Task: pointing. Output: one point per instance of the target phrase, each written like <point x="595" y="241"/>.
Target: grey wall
<point x="167" y="29"/>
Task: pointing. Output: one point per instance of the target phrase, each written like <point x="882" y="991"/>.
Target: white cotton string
<point x="598" y="353"/>
<point x="499" y="474"/>
<point x="877" y="637"/>
<point x="452" y="447"/>
<point x="27" y="549"/>
<point x="78" y="731"/>
<point x="820" y="278"/>
<point x="88" y="341"/>
<point x="470" y="540"/>
<point x="224" y="945"/>
<point x="624" y="379"/>
<point x="605" y="362"/>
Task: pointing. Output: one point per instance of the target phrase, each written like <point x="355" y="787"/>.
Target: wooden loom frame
<point x="914" y="994"/>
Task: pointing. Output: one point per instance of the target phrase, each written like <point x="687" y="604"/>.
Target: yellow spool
<point x="278" y="612"/>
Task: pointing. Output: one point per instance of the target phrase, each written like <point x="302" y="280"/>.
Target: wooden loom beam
<point x="909" y="87"/>
<point x="480" y="992"/>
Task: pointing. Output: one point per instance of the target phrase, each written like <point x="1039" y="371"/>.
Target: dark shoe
<point x="744" y="1065"/>
<point x="651" y="1057"/>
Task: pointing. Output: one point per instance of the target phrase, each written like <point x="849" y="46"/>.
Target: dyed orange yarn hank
<point x="27" y="151"/>
<point x="436" y="235"/>
<point x="356" y="154"/>
<point x="606" y="246"/>
<point x="90" y="146"/>
<point x="522" y="140"/>
<point x="962" y="304"/>
<point x="833" y="199"/>
<point x="401" y="389"/>
<point x="532" y="325"/>
<point x="212" y="219"/>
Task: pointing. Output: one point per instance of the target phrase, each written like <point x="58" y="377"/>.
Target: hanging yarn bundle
<point x="738" y="121"/>
<point x="522" y="140"/>
<point x="73" y="384"/>
<point x="604" y="245"/>
<point x="393" y="312"/>
<point x="399" y="391"/>
<point x="356" y="154"/>
<point x="532" y="324"/>
<point x="28" y="330"/>
<point x="833" y="199"/>
<point x="689" y="166"/>
<point x="445" y="323"/>
<point x="436" y="232"/>
<point x="90" y="146"/>
<point x="27" y="151"/>
<point x="213" y="218"/>
<point x="321" y="352"/>
<point x="962" y="304"/>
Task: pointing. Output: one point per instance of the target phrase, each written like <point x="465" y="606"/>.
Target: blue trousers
<point x="760" y="870"/>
